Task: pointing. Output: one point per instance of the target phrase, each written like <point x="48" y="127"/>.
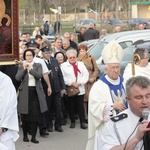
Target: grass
<point x="66" y="27"/>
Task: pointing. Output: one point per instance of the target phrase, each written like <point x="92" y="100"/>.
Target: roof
<point x="141" y="45"/>
<point x="123" y="34"/>
<point x="139" y="3"/>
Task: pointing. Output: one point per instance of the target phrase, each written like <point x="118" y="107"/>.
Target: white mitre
<point x="112" y="53"/>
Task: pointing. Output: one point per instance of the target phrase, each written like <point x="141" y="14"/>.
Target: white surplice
<point x="139" y="71"/>
<point x="8" y="113"/>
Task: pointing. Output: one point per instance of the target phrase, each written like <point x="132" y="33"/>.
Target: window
<point x="126" y="44"/>
<point x="97" y="48"/>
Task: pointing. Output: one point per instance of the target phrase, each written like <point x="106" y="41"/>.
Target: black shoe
<point x="63" y="122"/>
<point x="25" y="139"/>
<point x="34" y="141"/>
<point x="83" y="126"/>
<point x="86" y="121"/>
<point x="44" y="133"/>
<point x="50" y="129"/>
<point x="72" y="125"/>
<point x="76" y="116"/>
<point x="29" y="132"/>
<point x="59" y="129"/>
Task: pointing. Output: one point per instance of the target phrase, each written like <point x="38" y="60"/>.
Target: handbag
<point x="72" y="91"/>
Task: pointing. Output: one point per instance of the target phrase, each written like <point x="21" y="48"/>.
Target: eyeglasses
<point x="71" y="57"/>
<point x="29" y="55"/>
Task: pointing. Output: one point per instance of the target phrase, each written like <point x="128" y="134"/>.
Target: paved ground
<point x="70" y="139"/>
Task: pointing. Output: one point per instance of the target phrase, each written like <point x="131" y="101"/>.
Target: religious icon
<point x="5" y="30"/>
<point x="9" y="31"/>
<point x="2" y="13"/>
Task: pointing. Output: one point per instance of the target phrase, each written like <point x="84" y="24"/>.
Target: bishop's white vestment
<point x="101" y="95"/>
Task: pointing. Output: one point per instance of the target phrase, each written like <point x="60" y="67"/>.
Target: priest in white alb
<point x="107" y="95"/>
<point x="8" y="114"/>
<point x="142" y="66"/>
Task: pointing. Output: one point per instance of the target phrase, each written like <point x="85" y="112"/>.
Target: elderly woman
<point x="32" y="101"/>
<point x="76" y="75"/>
<point x="60" y="56"/>
<point x="93" y="70"/>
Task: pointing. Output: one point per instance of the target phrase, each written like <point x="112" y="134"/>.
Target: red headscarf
<point x="76" y="69"/>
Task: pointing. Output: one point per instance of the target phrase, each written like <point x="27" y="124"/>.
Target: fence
<point x="71" y="17"/>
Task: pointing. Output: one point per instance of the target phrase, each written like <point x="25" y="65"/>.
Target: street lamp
<point x="117" y="8"/>
<point x="129" y="9"/>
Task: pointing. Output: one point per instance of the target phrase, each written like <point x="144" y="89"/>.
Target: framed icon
<point x="9" y="31"/>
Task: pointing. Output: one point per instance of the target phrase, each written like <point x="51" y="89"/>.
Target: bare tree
<point x="75" y="5"/>
<point x="72" y="6"/>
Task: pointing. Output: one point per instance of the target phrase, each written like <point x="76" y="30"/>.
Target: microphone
<point x="145" y="113"/>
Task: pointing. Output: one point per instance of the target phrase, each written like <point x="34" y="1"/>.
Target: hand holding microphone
<point x="142" y="129"/>
<point x="145" y="114"/>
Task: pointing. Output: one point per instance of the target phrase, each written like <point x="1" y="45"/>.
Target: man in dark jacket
<point x="66" y="45"/>
<point x="91" y="33"/>
<point x="58" y="87"/>
<point x="57" y="27"/>
<point x="46" y="28"/>
<point x="81" y="35"/>
<point x="72" y="43"/>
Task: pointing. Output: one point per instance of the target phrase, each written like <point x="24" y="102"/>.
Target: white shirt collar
<point x="114" y="82"/>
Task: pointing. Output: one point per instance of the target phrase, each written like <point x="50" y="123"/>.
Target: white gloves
<point x="107" y="112"/>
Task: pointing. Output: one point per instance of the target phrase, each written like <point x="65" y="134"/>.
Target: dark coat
<point x="55" y="76"/>
<point x="46" y="27"/>
<point x="22" y="75"/>
<point x="80" y="37"/>
<point x="57" y="27"/>
<point x="74" y="45"/>
<point x="42" y="32"/>
<point x="90" y="34"/>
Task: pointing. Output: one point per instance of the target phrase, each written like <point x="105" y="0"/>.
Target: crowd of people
<point x="47" y="29"/>
<point x="43" y="79"/>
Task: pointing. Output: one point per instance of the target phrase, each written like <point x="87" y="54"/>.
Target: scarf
<point x="75" y="68"/>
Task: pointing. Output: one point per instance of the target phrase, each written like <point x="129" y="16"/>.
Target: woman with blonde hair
<point x="36" y="31"/>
